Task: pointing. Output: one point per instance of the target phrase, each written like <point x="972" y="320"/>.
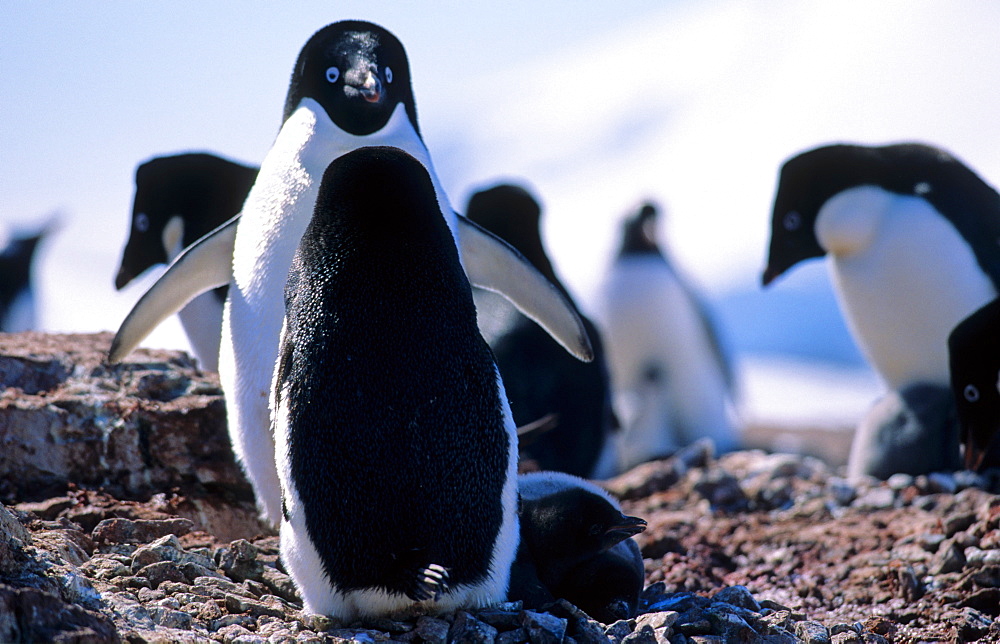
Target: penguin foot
<point x="432" y="582"/>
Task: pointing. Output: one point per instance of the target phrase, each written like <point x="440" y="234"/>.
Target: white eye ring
<point x="971" y="393"/>
<point x="792" y="220"/>
<point x="388" y="74"/>
<point x="332" y="74"/>
<point x="142" y="222"/>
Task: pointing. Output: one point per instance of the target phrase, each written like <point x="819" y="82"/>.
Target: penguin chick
<point x="673" y="382"/>
<point x="178" y="199"/>
<point x="913" y="431"/>
<point x="575" y="544"/>
<point x="974" y="358"/>
<point x="541" y="378"/>
<point x="395" y="446"/>
<point x="17" y="293"/>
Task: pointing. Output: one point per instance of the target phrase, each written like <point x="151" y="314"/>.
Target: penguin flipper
<point x="202" y="266"/>
<point x="494" y="265"/>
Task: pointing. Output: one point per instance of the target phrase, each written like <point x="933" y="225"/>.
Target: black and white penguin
<point x="179" y="199"/>
<point x="18" y="310"/>
<point x="974" y="361"/>
<point x="350" y="88"/>
<point x="396" y="448"/>
<point x="576" y="545"/>
<point x="673" y="381"/>
<point x="541" y="378"/>
<point x="911" y="235"/>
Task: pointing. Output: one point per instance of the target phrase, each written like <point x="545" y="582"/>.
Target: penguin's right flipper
<point x="494" y="265"/>
<point x="202" y="266"/>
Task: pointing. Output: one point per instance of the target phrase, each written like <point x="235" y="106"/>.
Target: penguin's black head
<point x="178" y="199"/>
<point x="513" y="214"/>
<point x="974" y="357"/>
<point x="15" y="265"/>
<point x="358" y="72"/>
<point x="578" y="523"/>
<point x="812" y="178"/>
<point x="639" y="232"/>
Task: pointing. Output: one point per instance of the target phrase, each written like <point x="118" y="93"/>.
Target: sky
<point x="595" y="106"/>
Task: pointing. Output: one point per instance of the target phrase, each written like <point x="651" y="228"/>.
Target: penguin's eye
<point x="971" y="393"/>
<point x="142" y="222"/>
<point x="792" y="221"/>
<point x="332" y="74"/>
<point x="595" y="529"/>
<point x="388" y="74"/>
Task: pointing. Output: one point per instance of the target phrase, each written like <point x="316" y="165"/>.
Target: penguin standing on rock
<point x="350" y="88"/>
<point x="17" y="293"/>
<point x="974" y="359"/>
<point x="911" y="236"/>
<point x="543" y="380"/>
<point x="576" y="545"/>
<point x="396" y="448"/>
<point x="178" y="199"/>
<point x="673" y="382"/>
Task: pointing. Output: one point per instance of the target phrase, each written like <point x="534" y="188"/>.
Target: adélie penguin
<point x="672" y="379"/>
<point x="350" y="88"/>
<point x="18" y="307"/>
<point x="396" y="449"/>
<point x="910" y="232"/>
<point x="180" y="198"/>
<point x="542" y="379"/>
<point x="974" y="361"/>
<point x="576" y="545"/>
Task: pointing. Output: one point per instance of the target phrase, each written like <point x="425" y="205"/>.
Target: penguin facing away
<point x="541" y="378"/>
<point x="396" y="448"/>
<point x="974" y="361"/>
<point x="179" y="199"/>
<point x="672" y="380"/>
<point x="910" y="233"/>
<point x="17" y="295"/>
<point x="576" y="544"/>
<point x="350" y="88"/>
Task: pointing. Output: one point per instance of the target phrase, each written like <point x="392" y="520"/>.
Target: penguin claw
<point x="432" y="582"/>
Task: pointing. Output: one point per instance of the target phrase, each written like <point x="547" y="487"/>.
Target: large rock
<point x="150" y="424"/>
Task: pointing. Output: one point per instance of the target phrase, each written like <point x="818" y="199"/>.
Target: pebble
<point x="875" y="499"/>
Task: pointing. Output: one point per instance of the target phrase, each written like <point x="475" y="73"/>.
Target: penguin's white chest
<point x="905" y="278"/>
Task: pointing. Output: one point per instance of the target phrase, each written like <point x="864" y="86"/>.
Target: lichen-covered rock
<point x="144" y="426"/>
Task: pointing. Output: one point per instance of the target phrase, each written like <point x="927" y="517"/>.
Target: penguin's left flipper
<point x="431" y="583"/>
<point x="494" y="265"/>
<point x="202" y="266"/>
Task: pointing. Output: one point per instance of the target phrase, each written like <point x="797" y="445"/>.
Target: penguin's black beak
<point x="371" y="91"/>
<point x="627" y="527"/>
<point x="366" y="84"/>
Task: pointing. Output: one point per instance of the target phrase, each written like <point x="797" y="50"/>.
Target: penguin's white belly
<point x="202" y="322"/>
<point x="904" y="293"/>
<point x="669" y="387"/>
<point x="277" y="211"/>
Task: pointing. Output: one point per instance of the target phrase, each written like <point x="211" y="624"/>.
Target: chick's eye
<point x="388" y="74"/>
<point x="142" y="222"/>
<point x="332" y="74"/>
<point x="792" y="221"/>
<point x="971" y="393"/>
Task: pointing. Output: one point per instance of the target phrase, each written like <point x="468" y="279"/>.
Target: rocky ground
<point x="124" y="518"/>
